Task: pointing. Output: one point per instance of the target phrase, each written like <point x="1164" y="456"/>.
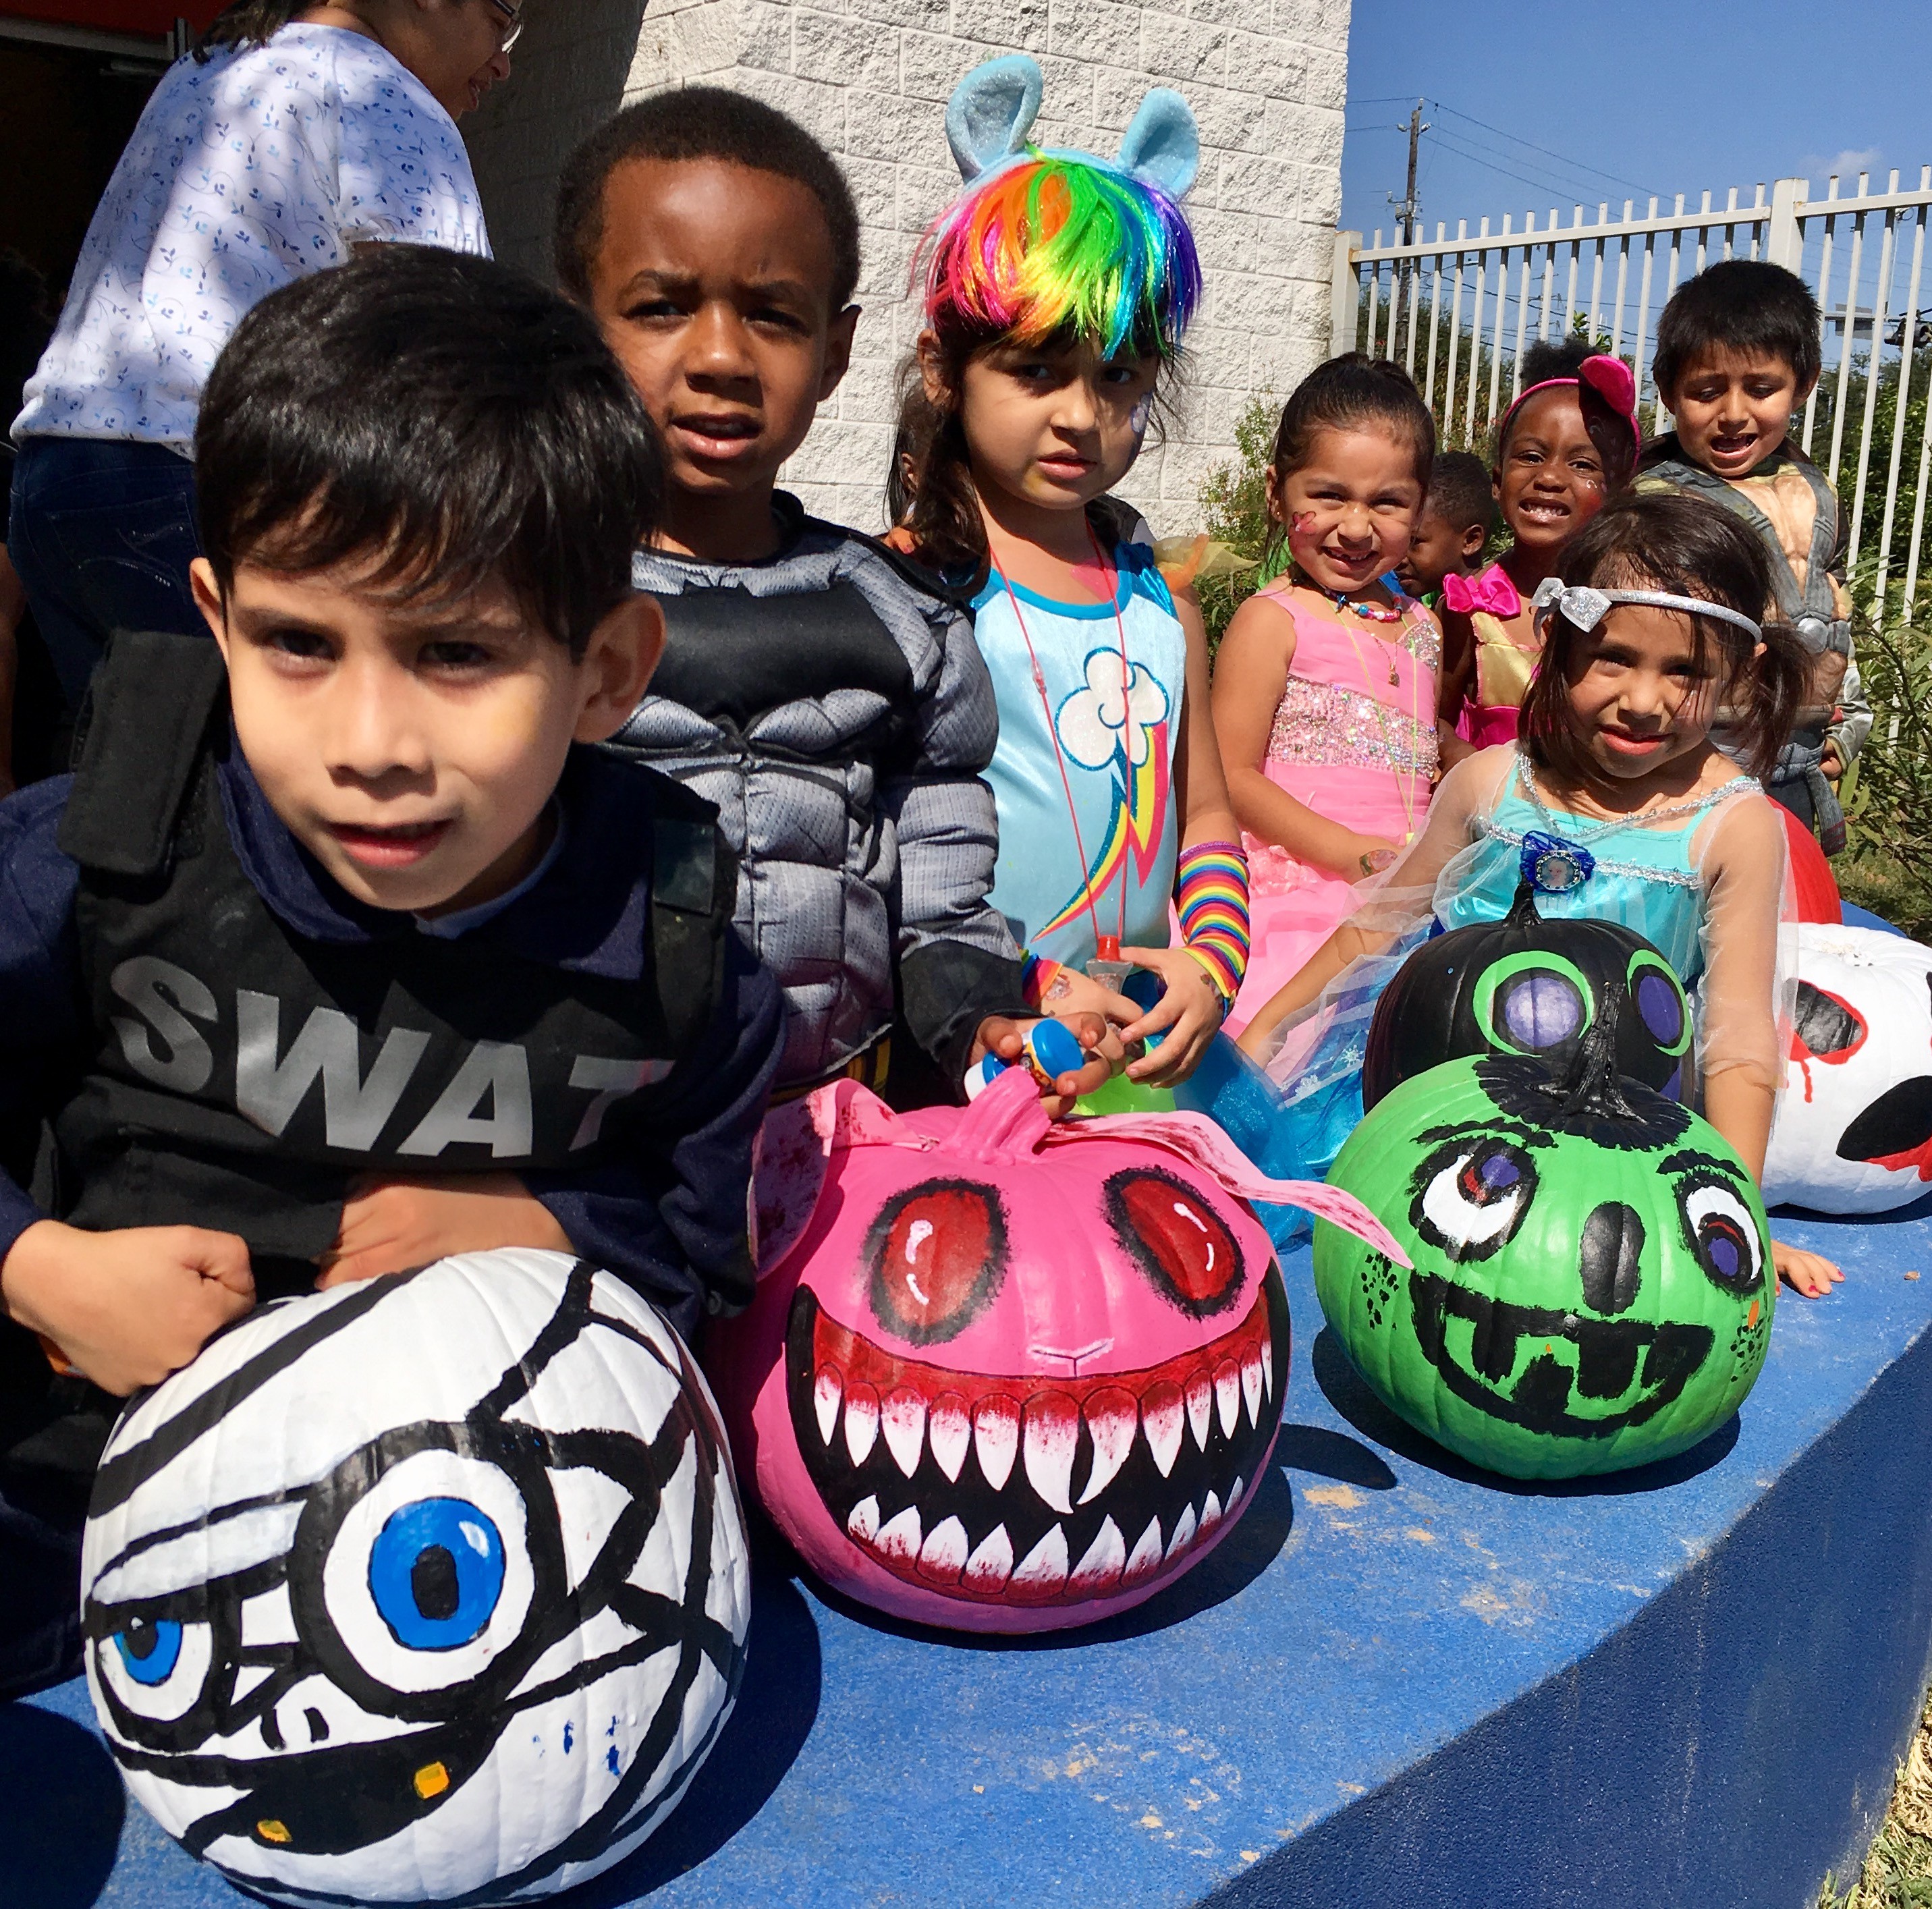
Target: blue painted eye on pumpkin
<point x="436" y="1573"/>
<point x="156" y="1666"/>
<point x="1471" y="1195"/>
<point x="149" y="1650"/>
<point x="1722" y="1233"/>
<point x="1657" y="995"/>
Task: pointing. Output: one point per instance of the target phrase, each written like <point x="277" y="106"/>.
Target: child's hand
<point x="1187" y="1015"/>
<point x="127" y="1308"/>
<point x="390" y="1225"/>
<point x="1006" y="1038"/>
<point x="1831" y="763"/>
<point x="1807" y="1272"/>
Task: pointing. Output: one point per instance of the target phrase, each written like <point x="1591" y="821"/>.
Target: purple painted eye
<point x="1662" y="1007"/>
<point x="1498" y="1173"/>
<point x="1542" y="1010"/>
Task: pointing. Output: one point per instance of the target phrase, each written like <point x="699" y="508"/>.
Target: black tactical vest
<point x="243" y="1073"/>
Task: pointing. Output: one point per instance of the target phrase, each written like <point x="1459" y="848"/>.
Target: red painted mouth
<point x="1034" y="1490"/>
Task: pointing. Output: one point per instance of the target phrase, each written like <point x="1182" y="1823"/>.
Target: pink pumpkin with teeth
<point x="1003" y="1376"/>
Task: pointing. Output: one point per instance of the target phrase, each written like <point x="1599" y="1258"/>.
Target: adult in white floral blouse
<point x="291" y="136"/>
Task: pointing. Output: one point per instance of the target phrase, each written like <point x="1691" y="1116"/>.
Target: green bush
<point x="1887" y="865"/>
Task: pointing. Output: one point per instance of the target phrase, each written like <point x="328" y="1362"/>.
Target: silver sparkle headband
<point x="1584" y="608"/>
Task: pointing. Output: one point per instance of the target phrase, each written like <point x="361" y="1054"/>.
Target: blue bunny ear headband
<point x="1584" y="607"/>
<point x="993" y="109"/>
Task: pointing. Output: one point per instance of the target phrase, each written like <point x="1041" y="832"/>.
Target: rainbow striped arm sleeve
<point x="1210" y="896"/>
<point x="1037" y="976"/>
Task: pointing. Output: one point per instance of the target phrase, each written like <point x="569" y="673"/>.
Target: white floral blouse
<point x="245" y="172"/>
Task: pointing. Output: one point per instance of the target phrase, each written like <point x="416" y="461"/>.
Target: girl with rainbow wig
<point x="1059" y="288"/>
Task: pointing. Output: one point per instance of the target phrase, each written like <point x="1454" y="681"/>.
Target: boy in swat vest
<point x="830" y="701"/>
<point x="1737" y="354"/>
<point x="351" y="954"/>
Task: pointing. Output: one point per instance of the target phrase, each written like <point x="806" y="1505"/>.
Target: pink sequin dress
<point x="1355" y="747"/>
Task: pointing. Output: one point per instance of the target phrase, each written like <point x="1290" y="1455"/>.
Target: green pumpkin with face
<point x="1592" y="1286"/>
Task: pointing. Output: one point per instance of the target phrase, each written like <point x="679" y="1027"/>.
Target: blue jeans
<point x="102" y="533"/>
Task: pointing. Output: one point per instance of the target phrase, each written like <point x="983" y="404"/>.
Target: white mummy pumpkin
<point x="1853" y="1132"/>
<point x="430" y="1588"/>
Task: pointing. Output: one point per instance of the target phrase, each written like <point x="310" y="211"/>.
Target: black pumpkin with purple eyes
<point x="1529" y="986"/>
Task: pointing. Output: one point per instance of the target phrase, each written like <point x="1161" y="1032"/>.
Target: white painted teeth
<point x="1183" y="1534"/>
<point x="1200" y="1407"/>
<point x="949" y="1431"/>
<point x="903" y="1421"/>
<point x="827" y="1393"/>
<point x="1251" y="1386"/>
<point x="996" y="1438"/>
<point x="1043" y="1571"/>
<point x="1043" y="1433"/>
<point x="1099" y="1571"/>
<point x="1146" y="1555"/>
<point x="1162" y="1415"/>
<point x="1052" y="1434"/>
<point x="862" y="1421"/>
<point x="943" y="1556"/>
<point x="1110" y="1420"/>
<point x="991" y="1563"/>
<point x="1211" y="1513"/>
<point x="1228" y="1396"/>
<point x="898" y="1540"/>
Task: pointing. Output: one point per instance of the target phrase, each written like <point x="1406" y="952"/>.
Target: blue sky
<point x="1667" y="98"/>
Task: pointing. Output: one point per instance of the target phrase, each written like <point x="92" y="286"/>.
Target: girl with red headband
<point x="1565" y="446"/>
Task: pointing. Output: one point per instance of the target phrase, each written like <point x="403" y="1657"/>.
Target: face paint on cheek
<point x="1138" y="418"/>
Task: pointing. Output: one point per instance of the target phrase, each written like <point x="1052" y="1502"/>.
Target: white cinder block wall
<point x="1268" y="79"/>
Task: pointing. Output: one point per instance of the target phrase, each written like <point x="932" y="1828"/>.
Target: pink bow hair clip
<point x="1489" y="590"/>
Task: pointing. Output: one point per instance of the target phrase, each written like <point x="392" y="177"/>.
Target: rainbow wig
<point x="1056" y="243"/>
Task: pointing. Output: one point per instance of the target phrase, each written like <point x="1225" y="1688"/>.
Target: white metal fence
<point x="1458" y="311"/>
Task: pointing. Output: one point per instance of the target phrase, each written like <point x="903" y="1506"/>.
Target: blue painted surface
<point x="1850" y="916"/>
<point x="1397" y="1682"/>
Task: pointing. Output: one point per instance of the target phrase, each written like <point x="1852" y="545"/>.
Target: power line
<point x="1489" y="165"/>
<point x="1548" y="152"/>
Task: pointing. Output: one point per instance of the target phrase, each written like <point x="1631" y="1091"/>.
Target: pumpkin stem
<point x="1594" y="1084"/>
<point x="1523" y="912"/>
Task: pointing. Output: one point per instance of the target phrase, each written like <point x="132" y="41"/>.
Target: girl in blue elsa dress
<point x="1614" y="803"/>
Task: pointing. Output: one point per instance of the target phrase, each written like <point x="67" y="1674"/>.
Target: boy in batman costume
<point x="826" y="697"/>
<point x="343" y="950"/>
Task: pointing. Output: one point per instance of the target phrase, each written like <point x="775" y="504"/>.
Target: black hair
<point x="1460" y="492"/>
<point x="698" y="123"/>
<point x="442" y="415"/>
<point x="1349" y="393"/>
<point x="920" y="421"/>
<point x="1742" y="305"/>
<point x="1611" y="432"/>
<point x="248" y="23"/>
<point x="1684" y="546"/>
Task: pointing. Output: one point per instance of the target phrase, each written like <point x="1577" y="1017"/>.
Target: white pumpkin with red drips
<point x="1002" y="1377"/>
<point x="1853" y="1129"/>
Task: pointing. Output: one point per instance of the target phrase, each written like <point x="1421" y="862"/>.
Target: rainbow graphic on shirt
<point x="1102" y="729"/>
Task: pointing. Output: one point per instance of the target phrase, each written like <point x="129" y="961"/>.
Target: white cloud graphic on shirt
<point x="1098" y="724"/>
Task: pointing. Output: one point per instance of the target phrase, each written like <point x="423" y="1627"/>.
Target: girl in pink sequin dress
<point x="1325" y="690"/>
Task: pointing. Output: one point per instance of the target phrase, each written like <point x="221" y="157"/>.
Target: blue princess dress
<point x="1643" y="871"/>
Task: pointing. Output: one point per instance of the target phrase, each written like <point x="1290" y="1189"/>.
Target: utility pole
<point x="1408" y="209"/>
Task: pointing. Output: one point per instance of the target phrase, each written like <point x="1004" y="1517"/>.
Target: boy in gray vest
<point x="1737" y="354"/>
<point x="342" y="951"/>
<point x="830" y="700"/>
